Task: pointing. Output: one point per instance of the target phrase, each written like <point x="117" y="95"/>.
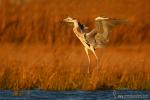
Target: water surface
<point x="38" y="94"/>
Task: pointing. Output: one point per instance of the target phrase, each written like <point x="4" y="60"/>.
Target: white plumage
<point x="98" y="37"/>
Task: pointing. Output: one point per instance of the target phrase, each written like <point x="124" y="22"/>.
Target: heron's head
<point x="101" y="18"/>
<point x="69" y="20"/>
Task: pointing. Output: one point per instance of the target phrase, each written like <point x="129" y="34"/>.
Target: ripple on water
<point x="38" y="94"/>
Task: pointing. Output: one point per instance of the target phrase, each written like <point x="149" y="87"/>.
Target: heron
<point x="97" y="37"/>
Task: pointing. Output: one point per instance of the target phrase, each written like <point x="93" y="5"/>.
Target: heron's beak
<point x="101" y="18"/>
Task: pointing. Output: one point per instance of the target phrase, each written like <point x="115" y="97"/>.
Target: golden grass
<point x="41" y="21"/>
<point x="38" y="51"/>
<point x="66" y="68"/>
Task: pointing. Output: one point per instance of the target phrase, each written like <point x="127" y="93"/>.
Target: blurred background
<point x="37" y="50"/>
<point x="40" y="21"/>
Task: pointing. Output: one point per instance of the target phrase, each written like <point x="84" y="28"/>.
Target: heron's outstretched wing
<point x="104" y="27"/>
<point x="111" y="23"/>
<point x="100" y="35"/>
<point x="90" y="37"/>
<point x="96" y="35"/>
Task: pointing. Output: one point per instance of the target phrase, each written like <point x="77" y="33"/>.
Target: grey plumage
<point x="98" y="37"/>
<point x="82" y="27"/>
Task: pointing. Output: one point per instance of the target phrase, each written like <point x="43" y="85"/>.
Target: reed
<point x="27" y="67"/>
<point x="40" y="21"/>
<point x="37" y="50"/>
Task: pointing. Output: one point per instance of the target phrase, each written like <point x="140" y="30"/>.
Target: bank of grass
<point x="28" y="67"/>
<point x="37" y="50"/>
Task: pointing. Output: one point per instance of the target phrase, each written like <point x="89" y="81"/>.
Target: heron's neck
<point x="75" y="24"/>
<point x="76" y="28"/>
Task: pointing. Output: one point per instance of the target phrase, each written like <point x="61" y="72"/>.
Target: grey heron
<point x="98" y="37"/>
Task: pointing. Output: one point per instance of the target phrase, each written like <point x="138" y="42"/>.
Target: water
<point x="38" y="94"/>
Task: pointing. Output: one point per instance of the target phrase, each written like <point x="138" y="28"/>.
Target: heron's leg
<point x="92" y="49"/>
<point x="86" y="50"/>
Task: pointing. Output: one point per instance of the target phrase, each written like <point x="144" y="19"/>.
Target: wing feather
<point x="99" y="36"/>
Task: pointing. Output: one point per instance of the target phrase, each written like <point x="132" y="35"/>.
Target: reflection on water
<point x="38" y="94"/>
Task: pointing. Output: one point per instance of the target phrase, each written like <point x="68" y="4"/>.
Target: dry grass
<point x="41" y="20"/>
<point x="46" y="68"/>
<point x="38" y="51"/>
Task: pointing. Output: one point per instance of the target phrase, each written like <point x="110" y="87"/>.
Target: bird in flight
<point x="96" y="38"/>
